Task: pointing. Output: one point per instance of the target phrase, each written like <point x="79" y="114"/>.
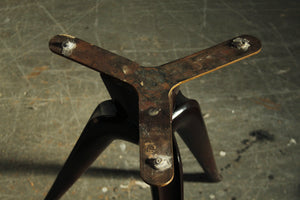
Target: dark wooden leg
<point x="190" y="126"/>
<point x="96" y="136"/>
<point x="174" y="190"/>
<point x="107" y="123"/>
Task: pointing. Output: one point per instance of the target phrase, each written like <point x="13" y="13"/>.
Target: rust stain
<point x="267" y="103"/>
<point x="44" y="82"/>
<point x="41" y="100"/>
<point x="31" y="183"/>
<point x="36" y="71"/>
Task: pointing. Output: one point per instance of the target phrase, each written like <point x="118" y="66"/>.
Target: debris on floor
<point x="104" y="189"/>
<point x="133" y="183"/>
<point x="123" y="147"/>
<point x="212" y="196"/>
<point x="292" y="142"/>
<point x="222" y="153"/>
<point x="206" y="115"/>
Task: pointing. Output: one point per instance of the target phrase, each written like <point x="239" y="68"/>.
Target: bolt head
<point x="241" y="43"/>
<point x="154" y="111"/>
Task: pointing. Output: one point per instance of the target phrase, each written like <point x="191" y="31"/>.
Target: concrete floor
<point x="45" y="100"/>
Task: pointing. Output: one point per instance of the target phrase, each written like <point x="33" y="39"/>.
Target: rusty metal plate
<point x="154" y="86"/>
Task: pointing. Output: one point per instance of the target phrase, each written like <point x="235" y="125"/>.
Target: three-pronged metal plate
<point x="155" y="87"/>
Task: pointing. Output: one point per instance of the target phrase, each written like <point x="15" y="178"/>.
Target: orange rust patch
<point x="36" y="71"/>
<point x="267" y="103"/>
<point x="31" y="183"/>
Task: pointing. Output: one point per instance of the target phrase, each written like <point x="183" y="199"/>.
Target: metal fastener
<point x="241" y="43"/>
<point x="160" y="162"/>
<point x="67" y="47"/>
<point x="126" y="69"/>
<point x="154" y="111"/>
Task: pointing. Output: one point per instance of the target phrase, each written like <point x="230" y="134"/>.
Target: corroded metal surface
<point x="155" y="86"/>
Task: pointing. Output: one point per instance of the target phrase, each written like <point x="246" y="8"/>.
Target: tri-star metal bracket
<point x="155" y="90"/>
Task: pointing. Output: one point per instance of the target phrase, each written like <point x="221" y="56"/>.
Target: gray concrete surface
<point x="46" y="100"/>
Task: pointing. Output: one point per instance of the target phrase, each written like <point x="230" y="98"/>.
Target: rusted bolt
<point x="157" y="161"/>
<point x="160" y="162"/>
<point x="150" y="148"/>
<point x="241" y="43"/>
<point x="67" y="47"/>
<point x="154" y="111"/>
<point x="126" y="69"/>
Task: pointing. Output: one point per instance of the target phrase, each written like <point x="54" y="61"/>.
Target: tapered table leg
<point x="191" y="128"/>
<point x="96" y="136"/>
